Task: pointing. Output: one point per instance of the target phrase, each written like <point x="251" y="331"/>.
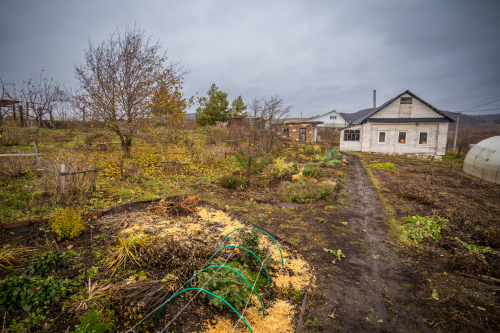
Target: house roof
<point x="363" y="119"/>
<point x="327" y="114"/>
<point x="295" y="120"/>
<point x="408" y="120"/>
<point x="8" y="102"/>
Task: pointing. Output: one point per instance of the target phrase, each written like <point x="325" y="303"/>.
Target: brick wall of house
<point x="294" y="131"/>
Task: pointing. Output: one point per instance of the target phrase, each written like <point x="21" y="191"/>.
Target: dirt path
<point x="371" y="290"/>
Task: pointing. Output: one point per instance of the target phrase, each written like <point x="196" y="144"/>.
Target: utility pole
<point x="456" y="132"/>
<point x="374" y="100"/>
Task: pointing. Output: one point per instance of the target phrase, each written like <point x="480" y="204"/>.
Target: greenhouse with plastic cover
<point x="483" y="160"/>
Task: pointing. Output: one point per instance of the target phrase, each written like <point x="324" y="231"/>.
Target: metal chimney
<point x="374" y="100"/>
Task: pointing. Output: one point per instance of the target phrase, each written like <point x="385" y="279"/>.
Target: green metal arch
<point x="239" y="247"/>
<point x="215" y="266"/>
<point x="208" y="292"/>
<point x="275" y="242"/>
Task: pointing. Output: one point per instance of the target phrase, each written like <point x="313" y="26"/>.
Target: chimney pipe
<point x="374" y="100"/>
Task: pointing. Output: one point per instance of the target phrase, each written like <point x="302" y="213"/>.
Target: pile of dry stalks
<point x="132" y="301"/>
<point x="177" y="205"/>
<point x="412" y="195"/>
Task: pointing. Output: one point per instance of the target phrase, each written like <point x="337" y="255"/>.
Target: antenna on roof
<point x="374" y="100"/>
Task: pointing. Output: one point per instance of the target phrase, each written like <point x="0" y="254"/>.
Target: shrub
<point x="326" y="189"/>
<point x="47" y="262"/>
<point x="23" y="291"/>
<point x="300" y="192"/>
<point x="310" y="170"/>
<point x="333" y="162"/>
<point x="280" y="168"/>
<point x="251" y="241"/>
<point x="92" y="322"/>
<point x="252" y="157"/>
<point x="382" y="166"/>
<point x="418" y="228"/>
<point x="312" y="150"/>
<point x="228" y="285"/>
<point x="67" y="223"/>
<point x="230" y="181"/>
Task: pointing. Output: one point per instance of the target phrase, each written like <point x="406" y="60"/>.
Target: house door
<point x="302" y="134"/>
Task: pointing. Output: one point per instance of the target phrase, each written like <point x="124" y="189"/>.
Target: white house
<point x="405" y="124"/>
<point x="330" y="119"/>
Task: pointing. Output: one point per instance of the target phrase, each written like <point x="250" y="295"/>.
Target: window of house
<point x="351" y="135"/>
<point x="381" y="137"/>
<point x="402" y="137"/>
<point x="331" y="117"/>
<point x="423" y="138"/>
<point x="334" y="117"/>
<point x="286" y="132"/>
<point x="406" y="100"/>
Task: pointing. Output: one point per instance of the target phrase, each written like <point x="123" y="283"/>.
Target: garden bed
<point x="203" y="229"/>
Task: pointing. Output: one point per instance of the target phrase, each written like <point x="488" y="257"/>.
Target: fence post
<point x="63" y="169"/>
<point x="94" y="176"/>
<point x="121" y="169"/>
<point x="35" y="150"/>
<point x="432" y="178"/>
<point x="451" y="166"/>
<point x="46" y="178"/>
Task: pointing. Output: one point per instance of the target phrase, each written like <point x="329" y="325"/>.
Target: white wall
<point x="415" y="110"/>
<point x="436" y="138"/>
<point x="351" y="145"/>
<point x="340" y="121"/>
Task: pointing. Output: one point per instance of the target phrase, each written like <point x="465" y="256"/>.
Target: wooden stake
<point x="451" y="166"/>
<point x="94" y="176"/>
<point x="63" y="169"/>
<point x="432" y="178"/>
<point x="121" y="169"/>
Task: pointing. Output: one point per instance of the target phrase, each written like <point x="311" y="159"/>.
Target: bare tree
<point x="268" y="112"/>
<point x="42" y="94"/>
<point x="121" y="78"/>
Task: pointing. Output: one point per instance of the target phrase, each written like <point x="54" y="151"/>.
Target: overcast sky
<point x="317" y="55"/>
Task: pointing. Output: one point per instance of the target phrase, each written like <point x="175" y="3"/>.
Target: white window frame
<point x="406" y="137"/>
<point x="378" y="138"/>
<point x="427" y="142"/>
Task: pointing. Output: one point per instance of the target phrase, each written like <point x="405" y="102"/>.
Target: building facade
<point x="330" y="119"/>
<point x="405" y="124"/>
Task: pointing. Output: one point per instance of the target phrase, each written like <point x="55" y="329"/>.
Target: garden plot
<point x="166" y="251"/>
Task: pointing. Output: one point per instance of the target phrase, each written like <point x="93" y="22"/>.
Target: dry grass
<point x="127" y="249"/>
<point x="10" y="256"/>
<point x="94" y="293"/>
<point x="178" y="205"/>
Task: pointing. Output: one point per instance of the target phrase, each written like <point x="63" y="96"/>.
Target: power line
<point x="472" y="104"/>
<point x="482" y="105"/>
<point x="470" y="90"/>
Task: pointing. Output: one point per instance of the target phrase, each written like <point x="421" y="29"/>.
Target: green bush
<point x="92" y="322"/>
<point x="230" y="181"/>
<point x="326" y="189"/>
<point x="251" y="241"/>
<point x="45" y="263"/>
<point x="280" y="168"/>
<point x="302" y="192"/>
<point x="228" y="285"/>
<point x="23" y="291"/>
<point x="418" y="228"/>
<point x="310" y="170"/>
<point x="312" y="150"/>
<point x="382" y="166"/>
<point x="333" y="162"/>
<point x="67" y="223"/>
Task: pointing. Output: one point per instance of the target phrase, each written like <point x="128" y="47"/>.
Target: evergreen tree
<point x="238" y="108"/>
<point x="212" y="108"/>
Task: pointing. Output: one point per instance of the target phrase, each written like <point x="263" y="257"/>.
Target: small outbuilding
<point x="483" y="160"/>
<point x="404" y="125"/>
<point x="298" y="129"/>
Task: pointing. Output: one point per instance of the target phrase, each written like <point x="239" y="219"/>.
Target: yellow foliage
<point x="67" y="223"/>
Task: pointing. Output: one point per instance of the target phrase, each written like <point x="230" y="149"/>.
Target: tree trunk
<point x="126" y="145"/>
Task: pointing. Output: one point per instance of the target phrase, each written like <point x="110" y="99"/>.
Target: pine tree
<point x="212" y="108"/>
<point x="238" y="108"/>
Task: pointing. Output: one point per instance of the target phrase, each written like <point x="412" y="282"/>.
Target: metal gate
<point x="302" y="134"/>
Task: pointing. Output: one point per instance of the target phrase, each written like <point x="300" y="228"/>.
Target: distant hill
<point x="490" y="121"/>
